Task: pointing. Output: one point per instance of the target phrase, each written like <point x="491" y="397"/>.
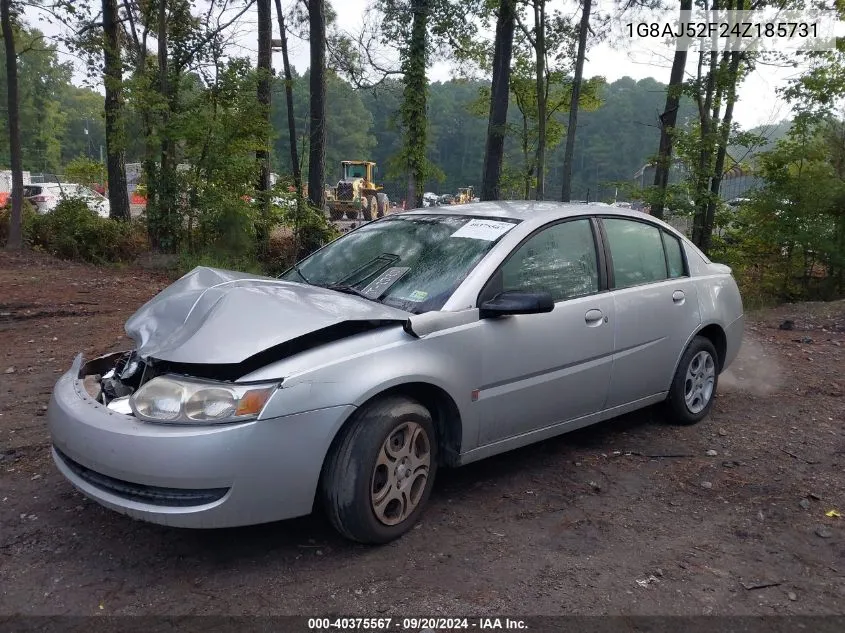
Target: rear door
<point x="541" y="369"/>
<point x="656" y="306"/>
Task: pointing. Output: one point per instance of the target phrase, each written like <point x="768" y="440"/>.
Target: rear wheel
<point x="379" y="475"/>
<point x="694" y="386"/>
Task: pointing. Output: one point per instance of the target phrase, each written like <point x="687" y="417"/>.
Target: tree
<point x="15" y="239"/>
<point x="413" y="108"/>
<point x="113" y="82"/>
<point x="499" y="93"/>
<point x="291" y="117"/>
<point x="83" y="171"/>
<point x="789" y="241"/>
<point x="716" y="78"/>
<point x="42" y="81"/>
<point x="161" y="212"/>
<point x="583" y="29"/>
<point x="722" y="141"/>
<point x="543" y="40"/>
<point x="265" y="81"/>
<point x="317" y="108"/>
<point x="667" y="124"/>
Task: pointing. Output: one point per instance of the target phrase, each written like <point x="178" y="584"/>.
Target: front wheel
<point x="368" y="206"/>
<point x="379" y="475"/>
<point x="381" y="204"/>
<point x="694" y="385"/>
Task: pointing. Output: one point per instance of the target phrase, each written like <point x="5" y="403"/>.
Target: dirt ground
<point x="632" y="516"/>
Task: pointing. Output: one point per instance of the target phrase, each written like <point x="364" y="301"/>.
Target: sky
<point x="758" y="103"/>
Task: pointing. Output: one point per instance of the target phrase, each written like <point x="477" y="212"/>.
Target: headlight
<point x="184" y="401"/>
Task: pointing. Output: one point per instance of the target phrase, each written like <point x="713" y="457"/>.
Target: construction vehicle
<point x="465" y="195"/>
<point x="356" y="192"/>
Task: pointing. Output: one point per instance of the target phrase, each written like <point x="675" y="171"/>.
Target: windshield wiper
<point x="299" y="272"/>
<point x="350" y="290"/>
<point x="362" y="272"/>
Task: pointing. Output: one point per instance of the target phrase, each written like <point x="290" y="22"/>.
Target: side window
<point x="560" y="260"/>
<point x="674" y="255"/>
<point x="637" y="252"/>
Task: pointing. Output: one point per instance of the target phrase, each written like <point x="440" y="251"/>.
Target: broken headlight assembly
<point x="177" y="400"/>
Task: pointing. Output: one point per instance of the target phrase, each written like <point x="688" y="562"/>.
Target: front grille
<point x="155" y="495"/>
<point x="344" y="191"/>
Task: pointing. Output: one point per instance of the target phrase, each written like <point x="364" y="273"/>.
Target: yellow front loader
<point x="356" y="192"/>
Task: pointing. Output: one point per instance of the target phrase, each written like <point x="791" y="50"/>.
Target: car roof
<point x="537" y="211"/>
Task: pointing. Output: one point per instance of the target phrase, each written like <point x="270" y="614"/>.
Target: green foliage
<point x="42" y="81"/>
<point x="28" y="218"/>
<point x="73" y="231"/>
<point x="85" y="171"/>
<point x="212" y="259"/>
<point x="524" y="132"/>
<point x="412" y="111"/>
<point x="788" y="243"/>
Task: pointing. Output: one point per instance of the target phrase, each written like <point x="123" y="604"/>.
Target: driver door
<point x="542" y="369"/>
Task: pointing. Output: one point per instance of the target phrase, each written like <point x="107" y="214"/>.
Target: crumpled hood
<point x="213" y="316"/>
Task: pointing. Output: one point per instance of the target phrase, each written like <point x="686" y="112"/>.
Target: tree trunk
<point x="540" y="66"/>
<point x="15" y="240"/>
<point x="667" y="125"/>
<point x="265" y="79"/>
<point x="840" y="273"/>
<point x="115" y="135"/>
<point x="317" y="109"/>
<point x="161" y="233"/>
<point x="414" y="117"/>
<point x="499" y="94"/>
<point x="705" y="153"/>
<point x="569" y="151"/>
<point x="721" y="152"/>
<point x="411" y="195"/>
<point x="294" y="154"/>
<point x="139" y="43"/>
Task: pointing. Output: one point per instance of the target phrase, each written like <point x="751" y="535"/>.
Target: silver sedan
<point x="424" y="339"/>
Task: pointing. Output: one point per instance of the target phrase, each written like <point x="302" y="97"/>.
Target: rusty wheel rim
<point x="401" y="473"/>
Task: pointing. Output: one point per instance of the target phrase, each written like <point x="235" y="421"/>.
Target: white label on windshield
<point x="487" y="230"/>
<point x="379" y="286"/>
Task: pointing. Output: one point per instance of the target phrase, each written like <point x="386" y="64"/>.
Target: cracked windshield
<point x="414" y="263"/>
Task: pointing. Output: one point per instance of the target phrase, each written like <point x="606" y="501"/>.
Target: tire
<point x="367" y="206"/>
<point x="693" y="388"/>
<point x="357" y="485"/>
<point x="381" y="204"/>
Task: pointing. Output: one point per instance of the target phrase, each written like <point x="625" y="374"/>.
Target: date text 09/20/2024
<point x="414" y="624"/>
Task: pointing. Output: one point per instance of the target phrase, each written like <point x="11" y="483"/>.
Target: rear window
<point x="674" y="256"/>
<point x="636" y="250"/>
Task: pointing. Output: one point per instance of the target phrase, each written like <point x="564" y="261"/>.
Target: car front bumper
<point x="190" y="476"/>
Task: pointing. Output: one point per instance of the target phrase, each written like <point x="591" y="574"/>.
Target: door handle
<point x="594" y="317"/>
<point x="679" y="297"/>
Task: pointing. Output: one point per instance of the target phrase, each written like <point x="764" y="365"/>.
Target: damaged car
<point x="425" y="339"/>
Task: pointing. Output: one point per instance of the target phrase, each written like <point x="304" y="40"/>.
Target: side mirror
<point x="516" y="302"/>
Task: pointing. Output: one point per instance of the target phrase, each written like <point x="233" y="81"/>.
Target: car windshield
<point x="411" y="262"/>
